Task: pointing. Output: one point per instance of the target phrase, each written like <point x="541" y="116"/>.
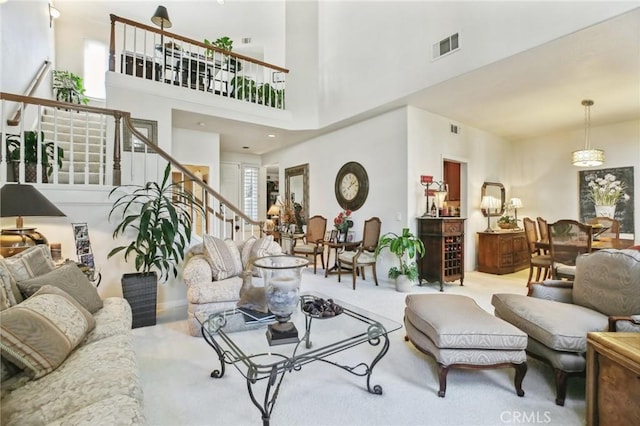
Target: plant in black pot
<point x="159" y="216"/>
<point x="33" y="141"/>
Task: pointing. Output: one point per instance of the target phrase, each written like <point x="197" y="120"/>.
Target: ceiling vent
<point x="445" y="46"/>
<point x="454" y="128"/>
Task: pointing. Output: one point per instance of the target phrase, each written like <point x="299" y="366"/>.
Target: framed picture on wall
<point x="148" y="128"/>
<point x="610" y="193"/>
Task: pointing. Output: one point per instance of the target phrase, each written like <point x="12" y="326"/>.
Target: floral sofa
<point x="67" y="354"/>
<point x="212" y="273"/>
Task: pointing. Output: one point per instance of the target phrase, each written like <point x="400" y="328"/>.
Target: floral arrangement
<point x="606" y="191"/>
<point x="341" y="222"/>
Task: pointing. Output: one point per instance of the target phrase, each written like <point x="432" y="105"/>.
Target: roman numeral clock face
<point x="351" y="186"/>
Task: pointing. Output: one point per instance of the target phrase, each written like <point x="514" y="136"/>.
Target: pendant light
<point x="587" y="157"/>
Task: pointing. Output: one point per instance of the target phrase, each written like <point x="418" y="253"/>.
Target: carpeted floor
<point x="178" y="390"/>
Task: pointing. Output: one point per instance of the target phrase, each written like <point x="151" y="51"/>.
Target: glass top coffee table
<point x="320" y="338"/>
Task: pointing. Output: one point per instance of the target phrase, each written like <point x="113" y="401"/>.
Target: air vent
<point x="445" y="46"/>
<point x="454" y="128"/>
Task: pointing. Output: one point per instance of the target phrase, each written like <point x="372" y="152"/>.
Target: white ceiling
<point x="530" y="94"/>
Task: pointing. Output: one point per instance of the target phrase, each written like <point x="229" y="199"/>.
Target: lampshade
<point x="489" y="202"/>
<point x="516" y="203"/>
<point x="587" y="157"/>
<point x="273" y="210"/>
<point x="161" y="18"/>
<point x="439" y="197"/>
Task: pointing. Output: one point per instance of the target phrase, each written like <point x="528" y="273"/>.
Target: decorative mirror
<point x="496" y="190"/>
<point x="297" y="189"/>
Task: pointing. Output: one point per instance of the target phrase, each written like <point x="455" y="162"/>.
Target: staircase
<point x="82" y="136"/>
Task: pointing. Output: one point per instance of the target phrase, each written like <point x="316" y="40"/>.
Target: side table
<point x="335" y="246"/>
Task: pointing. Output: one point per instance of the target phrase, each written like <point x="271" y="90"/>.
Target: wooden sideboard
<point x="502" y="252"/>
<point x="613" y="379"/>
<point x="443" y="240"/>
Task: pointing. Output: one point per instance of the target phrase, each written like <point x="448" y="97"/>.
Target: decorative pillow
<point x="30" y="263"/>
<point x="9" y="284"/>
<point x="260" y="248"/>
<point x="245" y="252"/>
<point x="4" y="301"/>
<point x="41" y="332"/>
<point x="69" y="278"/>
<point x="223" y="256"/>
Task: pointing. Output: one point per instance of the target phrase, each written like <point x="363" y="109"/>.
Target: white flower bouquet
<point x="606" y="191"/>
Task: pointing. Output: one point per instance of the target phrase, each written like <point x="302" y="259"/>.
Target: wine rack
<point x="443" y="239"/>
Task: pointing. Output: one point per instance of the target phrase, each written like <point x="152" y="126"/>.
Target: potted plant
<point x="69" y="87"/>
<point x="160" y="216"/>
<point x="405" y="247"/>
<point x="507" y="222"/>
<point x="48" y="155"/>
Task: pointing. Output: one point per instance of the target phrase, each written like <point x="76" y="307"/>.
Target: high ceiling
<point x="534" y="93"/>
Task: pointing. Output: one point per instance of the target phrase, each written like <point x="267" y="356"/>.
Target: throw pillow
<point x="260" y="248"/>
<point x="9" y="284"/>
<point x="38" y="334"/>
<point x="245" y="252"/>
<point x="30" y="263"/>
<point x="69" y="278"/>
<point x="223" y="256"/>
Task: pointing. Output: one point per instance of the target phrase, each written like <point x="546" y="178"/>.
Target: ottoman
<point x="458" y="333"/>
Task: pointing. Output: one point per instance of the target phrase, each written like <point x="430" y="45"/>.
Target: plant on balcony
<point x="270" y="96"/>
<point x="223" y="43"/>
<point x="48" y="154"/>
<point x="69" y="87"/>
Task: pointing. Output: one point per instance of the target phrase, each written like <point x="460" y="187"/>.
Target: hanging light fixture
<point x="587" y="157"/>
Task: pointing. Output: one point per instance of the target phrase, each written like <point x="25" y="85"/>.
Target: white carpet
<point x="178" y="390"/>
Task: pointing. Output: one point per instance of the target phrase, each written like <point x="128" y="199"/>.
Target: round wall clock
<point x="352" y="186"/>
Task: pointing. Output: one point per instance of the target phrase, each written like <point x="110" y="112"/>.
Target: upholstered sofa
<point x="557" y="315"/>
<point x="67" y="354"/>
<point x="212" y="273"/>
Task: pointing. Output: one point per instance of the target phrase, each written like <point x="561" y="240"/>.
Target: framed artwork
<point x="351" y="236"/>
<point x="616" y="187"/>
<point x="333" y="237"/>
<point x="148" y="128"/>
<point x="83" y="244"/>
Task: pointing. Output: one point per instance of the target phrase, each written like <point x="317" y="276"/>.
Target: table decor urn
<point x="282" y="276"/>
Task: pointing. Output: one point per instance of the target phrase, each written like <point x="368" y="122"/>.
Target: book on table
<point x="251" y="316"/>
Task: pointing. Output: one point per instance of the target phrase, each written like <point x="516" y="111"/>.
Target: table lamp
<point x="488" y="202"/>
<point x="23" y="200"/>
<point x="516" y="203"/>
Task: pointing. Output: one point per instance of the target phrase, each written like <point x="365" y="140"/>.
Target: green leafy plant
<point x="507" y="221"/>
<point x="405" y="247"/>
<point x="223" y="43"/>
<point x="69" y="87"/>
<point x="244" y="88"/>
<point x="160" y="215"/>
<point x="269" y="95"/>
<point x="48" y="152"/>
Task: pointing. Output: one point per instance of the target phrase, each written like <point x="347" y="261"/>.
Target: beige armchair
<point x="312" y="242"/>
<point x="364" y="254"/>
<point x="558" y="314"/>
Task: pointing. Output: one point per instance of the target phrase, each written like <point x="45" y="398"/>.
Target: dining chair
<point x="312" y="242"/>
<point x="543" y="230"/>
<point x="612" y="226"/>
<point x="567" y="239"/>
<point x="537" y="260"/>
<point x="364" y="254"/>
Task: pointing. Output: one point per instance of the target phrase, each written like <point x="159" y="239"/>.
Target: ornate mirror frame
<point x="495" y="189"/>
<point x="297" y="180"/>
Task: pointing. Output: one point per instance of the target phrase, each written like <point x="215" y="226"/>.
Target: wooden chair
<point x="567" y="239"/>
<point x="312" y="242"/>
<point x="364" y="255"/>
<point x="538" y="261"/>
<point x="543" y="229"/>
<point x="612" y="231"/>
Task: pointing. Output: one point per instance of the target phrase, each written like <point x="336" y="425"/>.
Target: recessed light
<point x="245" y="147"/>
<point x="271" y="135"/>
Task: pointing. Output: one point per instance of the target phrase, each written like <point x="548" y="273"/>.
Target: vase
<point x="282" y="276"/>
<point x="606" y="211"/>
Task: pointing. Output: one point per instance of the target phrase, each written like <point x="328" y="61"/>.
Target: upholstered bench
<point x="458" y="333"/>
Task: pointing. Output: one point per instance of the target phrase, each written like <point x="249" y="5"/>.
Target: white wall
<point x="542" y="174"/>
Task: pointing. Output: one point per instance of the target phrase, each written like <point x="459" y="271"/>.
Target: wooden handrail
<point x="115" y="18"/>
<point x="126" y="117"/>
<point x="33" y="86"/>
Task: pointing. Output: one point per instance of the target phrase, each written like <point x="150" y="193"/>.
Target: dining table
<point x="603" y="243"/>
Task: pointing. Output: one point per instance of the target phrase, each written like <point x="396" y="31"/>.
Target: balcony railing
<point x="153" y="54"/>
<point x="30" y="153"/>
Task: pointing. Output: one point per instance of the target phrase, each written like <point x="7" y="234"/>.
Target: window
<point x="250" y="191"/>
<point x="95" y="67"/>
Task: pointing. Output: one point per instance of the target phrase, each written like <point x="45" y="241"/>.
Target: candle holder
<point x="282" y="276"/>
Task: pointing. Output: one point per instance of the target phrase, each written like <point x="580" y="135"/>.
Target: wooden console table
<point x="443" y="240"/>
<point x="502" y="252"/>
<point x="613" y="379"/>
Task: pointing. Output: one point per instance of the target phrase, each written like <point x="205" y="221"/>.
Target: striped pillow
<point x="38" y="334"/>
<point x="223" y="256"/>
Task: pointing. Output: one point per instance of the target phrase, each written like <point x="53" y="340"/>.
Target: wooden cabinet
<point x="613" y="379"/>
<point x="502" y="252"/>
<point x="443" y="240"/>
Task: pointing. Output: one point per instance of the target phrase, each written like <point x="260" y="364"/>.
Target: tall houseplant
<point x="49" y="155"/>
<point x="69" y="87"/>
<point x="405" y="247"/>
<point x="160" y="217"/>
